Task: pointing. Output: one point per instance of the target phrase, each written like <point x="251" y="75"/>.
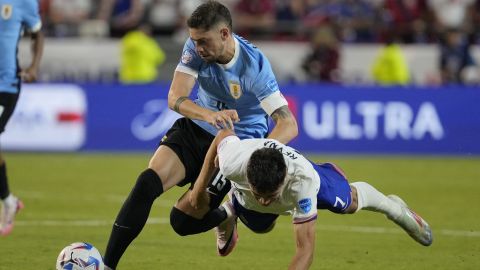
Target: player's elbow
<point x="172" y="99"/>
<point x="291" y="127"/>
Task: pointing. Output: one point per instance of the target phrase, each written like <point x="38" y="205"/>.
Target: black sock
<point x="132" y="217"/>
<point x="4" y="191"/>
<point x="184" y="224"/>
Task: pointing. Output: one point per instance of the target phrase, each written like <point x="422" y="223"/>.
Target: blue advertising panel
<point x="127" y="118"/>
<point x="331" y="118"/>
<point x="386" y="120"/>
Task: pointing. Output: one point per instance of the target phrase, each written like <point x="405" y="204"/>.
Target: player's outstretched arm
<point x="198" y="197"/>
<point x="179" y="101"/>
<point x="30" y="73"/>
<point x="305" y="241"/>
<point x="285" y="125"/>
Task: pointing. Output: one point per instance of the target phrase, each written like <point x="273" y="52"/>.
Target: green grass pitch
<point x="75" y="197"/>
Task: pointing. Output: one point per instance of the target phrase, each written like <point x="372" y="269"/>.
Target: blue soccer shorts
<point x="335" y="192"/>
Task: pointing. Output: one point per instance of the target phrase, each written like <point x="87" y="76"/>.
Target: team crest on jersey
<point x="235" y="89"/>
<point x="305" y="205"/>
<point x="7" y="11"/>
<point x="187" y="57"/>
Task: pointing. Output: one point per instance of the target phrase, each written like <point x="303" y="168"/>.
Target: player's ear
<point x="224" y="33"/>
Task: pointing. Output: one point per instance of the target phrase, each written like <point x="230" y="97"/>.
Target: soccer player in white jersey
<point x="236" y="88"/>
<point x="16" y="17"/>
<point x="270" y="179"/>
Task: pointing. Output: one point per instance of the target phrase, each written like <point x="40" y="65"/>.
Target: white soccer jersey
<point x="302" y="183"/>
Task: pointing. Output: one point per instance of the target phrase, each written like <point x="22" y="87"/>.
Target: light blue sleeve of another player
<point x="265" y="83"/>
<point x="190" y="61"/>
<point x="31" y="16"/>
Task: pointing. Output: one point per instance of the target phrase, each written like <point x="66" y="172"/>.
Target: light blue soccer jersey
<point x="15" y="15"/>
<point x="243" y="84"/>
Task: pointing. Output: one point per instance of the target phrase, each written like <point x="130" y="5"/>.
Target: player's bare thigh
<point x="168" y="166"/>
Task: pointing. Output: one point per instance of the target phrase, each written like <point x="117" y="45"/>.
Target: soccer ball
<point x="80" y="256"/>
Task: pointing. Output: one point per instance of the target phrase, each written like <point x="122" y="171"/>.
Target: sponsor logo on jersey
<point x="272" y="85"/>
<point x="7" y="11"/>
<point x="305" y="204"/>
<point x="187" y="57"/>
<point x="235" y="89"/>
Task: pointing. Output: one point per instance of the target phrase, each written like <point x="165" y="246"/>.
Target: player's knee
<point x="260" y="228"/>
<point x="182" y="223"/>
<point x="352" y="208"/>
<point x="148" y="185"/>
<point x="264" y="229"/>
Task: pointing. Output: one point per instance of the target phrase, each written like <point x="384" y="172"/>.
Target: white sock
<point x="227" y="209"/>
<point x="371" y="199"/>
<point x="9" y="200"/>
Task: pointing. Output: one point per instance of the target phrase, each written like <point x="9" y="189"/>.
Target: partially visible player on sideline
<point x="270" y="179"/>
<point x="236" y="88"/>
<point x="16" y="17"/>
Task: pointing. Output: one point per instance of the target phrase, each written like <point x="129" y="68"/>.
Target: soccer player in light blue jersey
<point x="16" y="17"/>
<point x="236" y="88"/>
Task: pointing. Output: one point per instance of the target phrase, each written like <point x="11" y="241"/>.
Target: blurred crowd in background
<point x="365" y="21"/>
<point x="325" y="24"/>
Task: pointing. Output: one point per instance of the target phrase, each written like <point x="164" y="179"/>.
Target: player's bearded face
<point x="209" y="44"/>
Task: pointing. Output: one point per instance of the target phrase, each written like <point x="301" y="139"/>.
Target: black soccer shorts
<point x="190" y="142"/>
<point x="8" y="101"/>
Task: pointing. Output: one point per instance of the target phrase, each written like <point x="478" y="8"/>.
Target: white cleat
<point x="7" y="215"/>
<point x="412" y="223"/>
<point x="227" y="235"/>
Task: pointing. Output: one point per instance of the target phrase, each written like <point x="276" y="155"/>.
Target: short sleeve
<point x="305" y="199"/>
<point x="190" y="61"/>
<point x="273" y="102"/>
<point x="266" y="87"/>
<point x="228" y="155"/>
<point x="31" y="16"/>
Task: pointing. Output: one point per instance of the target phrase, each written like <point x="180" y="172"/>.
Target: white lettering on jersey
<point x="289" y="152"/>
<point x="338" y="200"/>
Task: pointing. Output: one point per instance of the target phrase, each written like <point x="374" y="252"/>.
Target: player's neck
<point x="229" y="52"/>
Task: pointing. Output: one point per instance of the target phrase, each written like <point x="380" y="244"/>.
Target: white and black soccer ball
<point x="80" y="256"/>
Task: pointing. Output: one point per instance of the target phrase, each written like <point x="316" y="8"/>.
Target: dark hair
<point x="208" y="15"/>
<point x="266" y="170"/>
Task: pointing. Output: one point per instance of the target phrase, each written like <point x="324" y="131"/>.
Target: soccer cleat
<point x="412" y="223"/>
<point x="7" y="215"/>
<point x="227" y="235"/>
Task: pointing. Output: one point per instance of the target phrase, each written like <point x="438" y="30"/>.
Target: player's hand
<point x="198" y="198"/>
<point x="28" y="75"/>
<point x="223" y="119"/>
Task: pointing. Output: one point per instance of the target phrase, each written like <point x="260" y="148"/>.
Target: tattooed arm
<point x="179" y="101"/>
<point x="285" y="125"/>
